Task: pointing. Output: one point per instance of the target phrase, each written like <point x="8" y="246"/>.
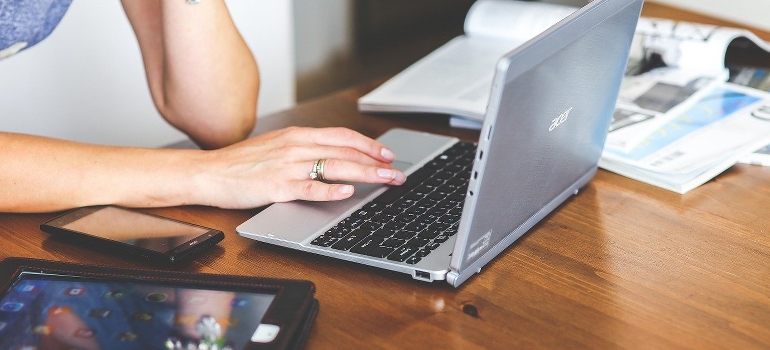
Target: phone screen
<point x="135" y="228"/>
<point x="50" y="311"/>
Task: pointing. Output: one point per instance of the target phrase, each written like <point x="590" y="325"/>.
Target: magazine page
<point x="722" y="127"/>
<point x="680" y="62"/>
<point x="457" y="78"/>
<point x="683" y="44"/>
<point x="649" y="100"/>
<point x="516" y="21"/>
<point x="756" y="78"/>
<point x="454" y="79"/>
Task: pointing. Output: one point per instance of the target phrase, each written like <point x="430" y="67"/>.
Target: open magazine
<point x="673" y="66"/>
<point x="715" y="127"/>
<point x="456" y="78"/>
<point x="712" y="135"/>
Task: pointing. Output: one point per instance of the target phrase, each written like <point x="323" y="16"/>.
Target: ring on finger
<point x="317" y="173"/>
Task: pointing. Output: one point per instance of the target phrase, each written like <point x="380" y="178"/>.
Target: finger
<point x="343" y="137"/>
<point x="311" y="154"/>
<point x="343" y="170"/>
<point x="319" y="191"/>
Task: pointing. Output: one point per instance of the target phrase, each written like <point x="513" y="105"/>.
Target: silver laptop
<point x="543" y="133"/>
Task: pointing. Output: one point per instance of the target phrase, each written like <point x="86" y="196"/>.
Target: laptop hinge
<point x="451" y="278"/>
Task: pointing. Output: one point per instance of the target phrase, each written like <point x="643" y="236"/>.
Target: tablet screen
<point x="44" y="311"/>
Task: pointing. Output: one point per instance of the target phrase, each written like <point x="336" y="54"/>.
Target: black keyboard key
<point x="367" y="244"/>
<point x="369" y="226"/>
<point x="400" y="205"/>
<point x="417" y="210"/>
<point x="385" y="232"/>
<point x="452" y="230"/>
<point x="402" y="253"/>
<point x="422" y="252"/>
<point x="363" y="213"/>
<point x="336" y="232"/>
<point x="324" y="241"/>
<point x="458" y="197"/>
<point x="424" y="220"/>
<point x="444" y="175"/>
<point x="446" y="204"/>
<point x="429" y="233"/>
<point x="350" y="222"/>
<point x="417" y="226"/>
<point x="441" y="238"/>
<point x="393" y="242"/>
<point x="380" y="252"/>
<point x="417" y="242"/>
<point x="396" y="192"/>
<point x="404" y="218"/>
<point x="404" y="234"/>
<point x="350" y="240"/>
<point x="383" y="218"/>
<point x="413" y="259"/>
<point x="373" y="207"/>
<point x="432" y="182"/>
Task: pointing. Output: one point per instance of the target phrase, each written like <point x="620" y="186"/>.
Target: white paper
<point x="711" y="136"/>
<point x="457" y="77"/>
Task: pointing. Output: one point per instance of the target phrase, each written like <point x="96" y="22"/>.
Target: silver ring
<point x="317" y="173"/>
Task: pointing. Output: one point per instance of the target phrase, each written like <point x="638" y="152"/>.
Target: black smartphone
<point x="150" y="237"/>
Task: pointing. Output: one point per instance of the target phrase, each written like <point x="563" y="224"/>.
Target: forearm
<point x="202" y="75"/>
<point x="41" y="175"/>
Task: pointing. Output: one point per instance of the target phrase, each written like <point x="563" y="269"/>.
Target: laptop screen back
<point x="545" y="127"/>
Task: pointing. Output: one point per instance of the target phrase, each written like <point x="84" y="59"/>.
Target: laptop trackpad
<point x="294" y="222"/>
<point x="401" y="165"/>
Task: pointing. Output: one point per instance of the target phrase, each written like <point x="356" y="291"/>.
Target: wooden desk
<point x="622" y="265"/>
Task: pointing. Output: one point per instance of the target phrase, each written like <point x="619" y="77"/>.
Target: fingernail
<point x="346" y="189"/>
<point x="386" y="174"/>
<point x="387" y="154"/>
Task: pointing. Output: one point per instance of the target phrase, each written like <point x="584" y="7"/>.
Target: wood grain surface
<point x="621" y="265"/>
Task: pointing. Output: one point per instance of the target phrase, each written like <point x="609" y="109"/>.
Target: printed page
<point x="691" y="60"/>
<point x="756" y="78"/>
<point x="454" y="79"/>
<point x="517" y="21"/>
<point x="730" y="122"/>
<point x="457" y="77"/>
<point x="692" y="45"/>
<point x="648" y="101"/>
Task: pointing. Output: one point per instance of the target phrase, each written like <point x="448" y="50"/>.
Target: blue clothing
<point x="24" y="23"/>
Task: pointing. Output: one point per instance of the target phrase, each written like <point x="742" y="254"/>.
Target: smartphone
<point x="149" y="237"/>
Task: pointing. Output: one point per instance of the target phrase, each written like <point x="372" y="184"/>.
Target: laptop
<point x="465" y="202"/>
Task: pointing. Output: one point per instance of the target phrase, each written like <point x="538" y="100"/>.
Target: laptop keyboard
<point x="407" y="222"/>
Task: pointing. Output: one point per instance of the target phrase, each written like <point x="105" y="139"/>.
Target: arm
<point x="201" y="87"/>
<point x="202" y="76"/>
<point x="39" y="174"/>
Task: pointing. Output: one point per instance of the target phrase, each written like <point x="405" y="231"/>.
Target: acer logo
<point x="559" y="120"/>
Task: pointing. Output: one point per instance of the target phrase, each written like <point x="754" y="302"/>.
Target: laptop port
<point x="422" y="275"/>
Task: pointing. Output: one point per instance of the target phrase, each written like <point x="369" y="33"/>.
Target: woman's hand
<point x="276" y="166"/>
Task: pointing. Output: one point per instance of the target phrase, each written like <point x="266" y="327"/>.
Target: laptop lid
<point x="548" y="116"/>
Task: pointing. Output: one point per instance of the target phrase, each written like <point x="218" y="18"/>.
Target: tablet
<point x="47" y="304"/>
